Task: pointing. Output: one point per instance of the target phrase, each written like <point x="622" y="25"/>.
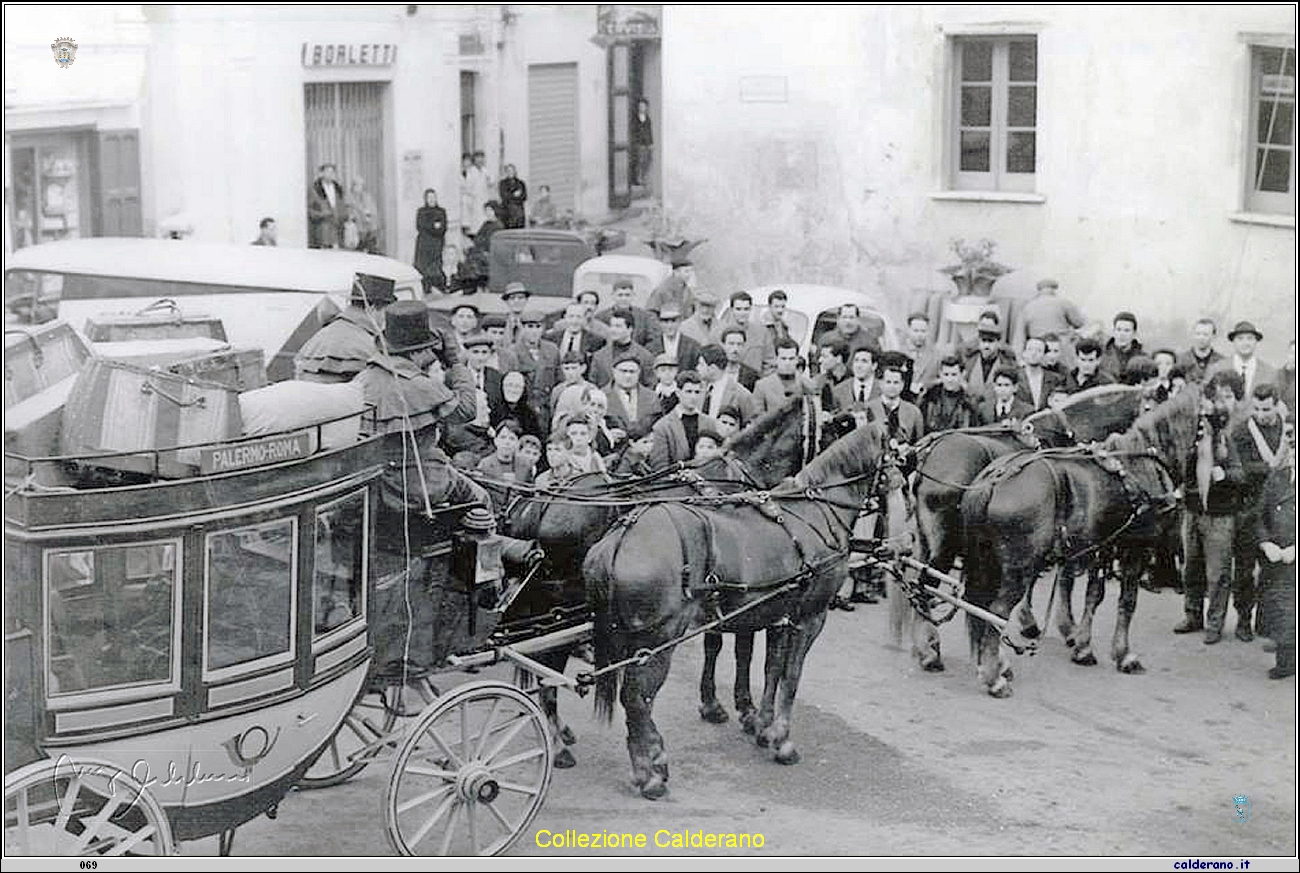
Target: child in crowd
<point x="582" y="457"/>
<point x="558" y="469"/>
<point x="527" y="457"/>
<point x="634" y="458"/>
<point x="708" y="445"/>
<point x="729" y="419"/>
<point x="501" y="463"/>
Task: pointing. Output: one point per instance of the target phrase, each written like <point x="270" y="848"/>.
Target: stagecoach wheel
<point x="368" y="730"/>
<point x="471" y="774"/>
<point x="82" y="807"/>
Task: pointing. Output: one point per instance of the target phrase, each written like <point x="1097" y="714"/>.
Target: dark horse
<point x="948" y="462"/>
<point x="1087" y="508"/>
<point x="668" y="568"/>
<point x="568" y="522"/>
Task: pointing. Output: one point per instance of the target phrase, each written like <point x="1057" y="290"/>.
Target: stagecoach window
<point x="339" y="584"/>
<point x="249" y="593"/>
<point x="112" y="617"/>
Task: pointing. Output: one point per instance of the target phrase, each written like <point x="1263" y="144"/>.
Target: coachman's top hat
<point x="1245" y="327"/>
<point x="406" y="328"/>
<point x="373" y="290"/>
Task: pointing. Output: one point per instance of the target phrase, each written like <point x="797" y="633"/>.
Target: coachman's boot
<point x="1192" y="622"/>
<point x="1285" y="664"/>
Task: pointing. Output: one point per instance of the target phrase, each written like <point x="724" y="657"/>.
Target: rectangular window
<point x="994" y="114"/>
<point x="468" y="120"/>
<point x="338" y="588"/>
<point x="249" y="595"/>
<point x="1271" y="168"/>
<point x="112" y="617"/>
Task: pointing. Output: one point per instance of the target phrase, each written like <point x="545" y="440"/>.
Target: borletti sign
<point x="378" y="54"/>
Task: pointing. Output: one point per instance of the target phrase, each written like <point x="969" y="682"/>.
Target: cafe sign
<point x="626" y="23"/>
<point x="368" y="54"/>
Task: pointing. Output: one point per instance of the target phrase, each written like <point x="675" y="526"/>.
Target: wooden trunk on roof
<point x="161" y="320"/>
<point x="243" y="369"/>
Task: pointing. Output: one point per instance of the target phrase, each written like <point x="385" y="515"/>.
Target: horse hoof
<point x="1088" y="660"/>
<point x="1001" y="692"/>
<point x="564" y="760"/>
<point x="654" y="788"/>
<point x="1069" y="640"/>
<point x="749" y="723"/>
<point x="1031" y="632"/>
<point x="762" y="739"/>
<point x="1009" y="674"/>
<point x="713" y="713"/>
<point x="1130" y="665"/>
<point x="567" y="736"/>
<point x="787" y="754"/>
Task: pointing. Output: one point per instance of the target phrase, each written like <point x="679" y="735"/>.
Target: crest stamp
<point x="1241" y="808"/>
<point x="65" y="51"/>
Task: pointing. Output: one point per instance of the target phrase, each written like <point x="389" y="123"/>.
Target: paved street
<point x="1081" y="761"/>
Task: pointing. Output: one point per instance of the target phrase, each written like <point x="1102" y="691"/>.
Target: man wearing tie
<point x="1004" y="407"/>
<point x="1037" y="384"/>
<point x="672" y="341"/>
<point x="902" y="420"/>
<point x="630" y="402"/>
<point x="857" y="392"/>
<point x="571" y="336"/>
<point x="1259" y="444"/>
<point x="721" y="388"/>
<point x="1245" y="339"/>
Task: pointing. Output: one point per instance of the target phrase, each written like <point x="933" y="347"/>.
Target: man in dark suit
<point x="1258" y="441"/>
<point x="857" y="392"/>
<point x="721" y="388"/>
<point x="1037" y="383"/>
<point x="472" y="436"/>
<point x="947" y="404"/>
<point x="630" y="402"/>
<point x="675" y="433"/>
<point x="538" y="359"/>
<point x="902" y="420"/>
<point x="619" y="346"/>
<point x="645" y="326"/>
<point x="733" y="341"/>
<point x="571" y="335"/>
<point x="988" y="357"/>
<point x="1004" y="407"/>
<point x="671" y="341"/>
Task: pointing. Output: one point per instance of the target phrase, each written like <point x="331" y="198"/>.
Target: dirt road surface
<point x="896" y="762"/>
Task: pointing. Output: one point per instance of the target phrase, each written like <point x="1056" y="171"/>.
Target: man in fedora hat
<point x="671" y="339"/>
<point x="1245" y="339"/>
<point x="515" y="296"/>
<point x="339" y="350"/>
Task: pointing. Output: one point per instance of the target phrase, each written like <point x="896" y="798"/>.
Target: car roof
<point x="539" y="235"/>
<point x="638" y="264"/>
<point x="248" y="266"/>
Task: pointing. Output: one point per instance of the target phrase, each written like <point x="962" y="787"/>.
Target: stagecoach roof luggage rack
<point x="93" y="470"/>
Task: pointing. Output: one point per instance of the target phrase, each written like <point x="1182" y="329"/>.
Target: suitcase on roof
<point x="144" y="418"/>
<point x="243" y="369"/>
<point x="162" y="319"/>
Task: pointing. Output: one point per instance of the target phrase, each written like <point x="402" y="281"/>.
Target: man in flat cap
<point x="672" y="341"/>
<point x="1245" y="339"/>
<point x="700" y="325"/>
<point x="537" y="358"/>
<point x="340" y="349"/>
<point x="515" y="296"/>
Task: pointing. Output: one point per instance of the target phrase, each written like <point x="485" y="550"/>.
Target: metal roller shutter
<point x="345" y="127"/>
<point x="553" y="132"/>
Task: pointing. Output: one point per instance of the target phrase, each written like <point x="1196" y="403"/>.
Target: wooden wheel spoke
<point x="93" y="827"/>
<point x="432" y="733"/>
<point x="529" y="790"/>
<point x="24" y="824"/>
<point x="432" y="772"/>
<point x="68" y="802"/>
<point x="519" y="724"/>
<point x="518" y="758"/>
<point x="451" y="803"/>
<point x="483" y="737"/>
<point x="451" y="830"/>
<point x="421" y="799"/>
<point x="135" y="839"/>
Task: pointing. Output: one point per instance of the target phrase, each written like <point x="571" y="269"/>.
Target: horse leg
<point x="548" y="696"/>
<point x="801" y="636"/>
<point x="744" y="651"/>
<point x="644" y="744"/>
<point x="777" y="640"/>
<point x="1083" y="638"/>
<point x="710" y="710"/>
<point x="1024" y="612"/>
<point x="1125" y="660"/>
<point x="1065" y="603"/>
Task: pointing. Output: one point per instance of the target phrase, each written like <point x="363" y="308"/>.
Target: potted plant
<point x="976" y="271"/>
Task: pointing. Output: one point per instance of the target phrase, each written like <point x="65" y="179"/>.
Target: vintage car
<point x="268" y="298"/>
<point x="812" y="310"/>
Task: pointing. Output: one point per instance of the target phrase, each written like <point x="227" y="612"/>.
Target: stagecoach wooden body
<point x="189" y="626"/>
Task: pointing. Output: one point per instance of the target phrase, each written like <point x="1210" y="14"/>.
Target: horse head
<point x="1089" y="415"/>
<point x="772" y="446"/>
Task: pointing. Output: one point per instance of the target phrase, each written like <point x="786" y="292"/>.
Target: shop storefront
<point x="631" y="38"/>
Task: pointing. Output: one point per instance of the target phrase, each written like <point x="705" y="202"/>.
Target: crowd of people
<point x="626" y="390"/>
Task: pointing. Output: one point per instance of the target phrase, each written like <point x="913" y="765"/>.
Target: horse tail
<point x="598" y="571"/>
<point x="980" y="580"/>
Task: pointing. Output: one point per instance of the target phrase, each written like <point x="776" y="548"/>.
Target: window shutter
<point x="117" y="207"/>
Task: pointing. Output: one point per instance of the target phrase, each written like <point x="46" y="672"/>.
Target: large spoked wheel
<point x="369" y="730"/>
<point x="471" y="775"/>
<point x="82" y="807"/>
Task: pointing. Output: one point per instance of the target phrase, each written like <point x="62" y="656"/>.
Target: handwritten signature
<point x="141" y="774"/>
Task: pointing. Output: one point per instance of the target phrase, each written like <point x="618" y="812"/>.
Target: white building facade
<point x="1144" y="156"/>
